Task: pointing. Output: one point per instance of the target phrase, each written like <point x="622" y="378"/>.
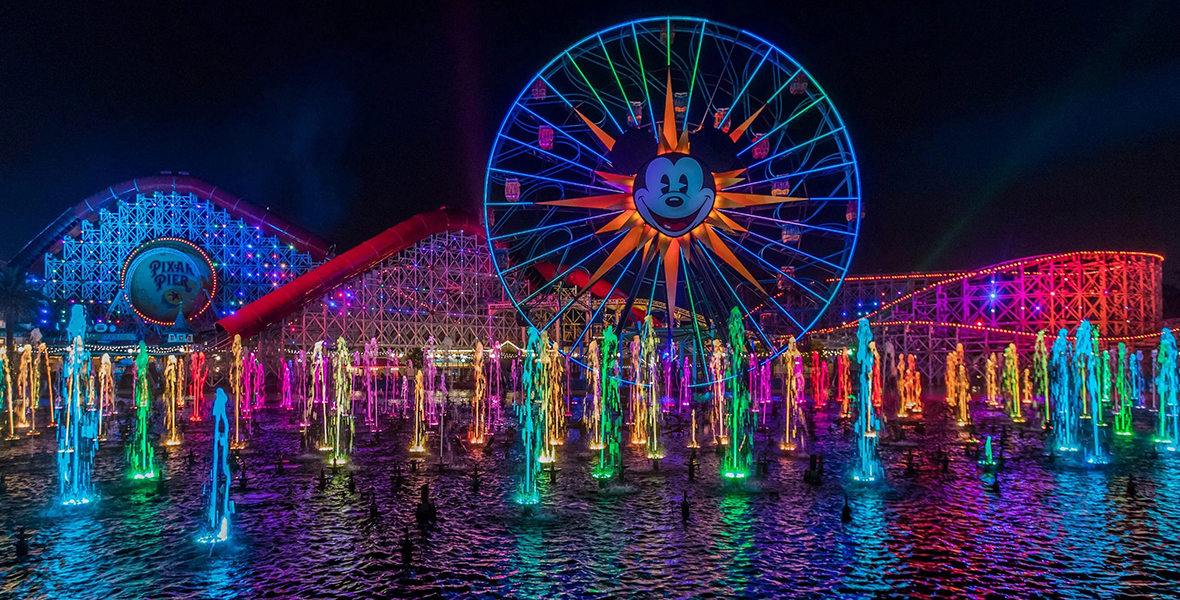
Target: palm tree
<point x="18" y="301"/>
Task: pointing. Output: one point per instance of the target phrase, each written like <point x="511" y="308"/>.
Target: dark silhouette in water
<point x="814" y="474"/>
<point x="399" y="479"/>
<point x="373" y="512"/>
<point x="684" y="508"/>
<point x="22" y="544"/>
<point x="351" y="484"/>
<point x="323" y="482"/>
<point x="191" y="458"/>
<point x="846" y="512"/>
<point x="3" y="483"/>
<point x="1131" y="489"/>
<point x="426" y="512"/>
<point x="995" y="488"/>
<point x="475" y="480"/>
<point x="242" y="478"/>
<point x="407" y="548"/>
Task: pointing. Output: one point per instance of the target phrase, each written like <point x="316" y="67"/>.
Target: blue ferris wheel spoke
<point x="736" y="298"/>
<point x="610" y="62"/>
<point x="555" y="180"/>
<point x="812" y="141"/>
<point x="786" y="122"/>
<point x="773" y="268"/>
<point x="533" y="148"/>
<point x="643" y="76"/>
<point x="802" y="224"/>
<point x="692" y="305"/>
<point x="534" y="259"/>
<point x="606" y="110"/>
<point x="795" y="174"/>
<point x="835" y="268"/>
<point x="564" y="133"/>
<point x="561" y="275"/>
<point x="578" y="295"/>
<point x="605" y="300"/>
<point x="553" y="226"/>
<point x="692" y="81"/>
<point x="738" y="98"/>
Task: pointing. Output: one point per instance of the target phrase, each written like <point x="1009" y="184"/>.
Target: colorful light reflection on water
<point x="1054" y="528"/>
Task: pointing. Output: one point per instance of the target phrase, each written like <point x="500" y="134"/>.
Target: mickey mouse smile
<point x="674" y="193"/>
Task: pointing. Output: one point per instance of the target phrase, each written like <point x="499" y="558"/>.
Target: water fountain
<point x="8" y="399"/>
<point x="739" y="455"/>
<point x="592" y="413"/>
<point x="531" y="432"/>
<point x="1087" y="361"/>
<point x="649" y="390"/>
<point x="418" y="439"/>
<point x="369" y="375"/>
<point x="991" y="393"/>
<point x="553" y="411"/>
<point x="235" y="383"/>
<point x="78" y="431"/>
<point x="1011" y="384"/>
<point x="988" y="459"/>
<point x="478" y="432"/>
<point x="1040" y="380"/>
<point x="636" y="408"/>
<point x="140" y="454"/>
<point x="844" y="382"/>
<point x="286" y="400"/>
<point x="819" y="380"/>
<point x="1135" y="374"/>
<point x="198" y="373"/>
<point x="1065" y="413"/>
<point x="317" y="394"/>
<point x="343" y="426"/>
<point x="217" y="488"/>
<point x="173" y="389"/>
<point x="610" y="417"/>
<point x="792" y="398"/>
<point x="1122" y="419"/>
<point x="909" y="383"/>
<point x="1167" y="387"/>
<point x="717" y="372"/>
<point x="867" y="426"/>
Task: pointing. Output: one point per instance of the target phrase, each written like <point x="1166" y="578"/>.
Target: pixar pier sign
<point x="165" y="277"/>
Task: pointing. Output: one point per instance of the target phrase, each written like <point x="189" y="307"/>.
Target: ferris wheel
<point x="677" y="168"/>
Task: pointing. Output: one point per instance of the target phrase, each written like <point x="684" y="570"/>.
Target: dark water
<point x="1054" y="530"/>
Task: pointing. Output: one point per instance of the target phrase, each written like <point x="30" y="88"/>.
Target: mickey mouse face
<point x="674" y="193"/>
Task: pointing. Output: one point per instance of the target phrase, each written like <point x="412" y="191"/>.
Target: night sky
<point x="985" y="132"/>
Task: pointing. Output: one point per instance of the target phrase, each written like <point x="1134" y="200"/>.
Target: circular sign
<point x="165" y="276"/>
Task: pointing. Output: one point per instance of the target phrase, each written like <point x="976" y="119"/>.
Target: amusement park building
<point x="927" y="314"/>
<point x="225" y="254"/>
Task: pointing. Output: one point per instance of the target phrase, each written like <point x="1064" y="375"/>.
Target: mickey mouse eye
<point x="682" y="183"/>
<point x="665" y="184"/>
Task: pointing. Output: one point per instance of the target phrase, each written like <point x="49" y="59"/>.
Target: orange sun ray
<point x="719" y="219"/>
<point x="602" y="136"/>
<point x="627" y="220"/>
<point x="622" y="182"/>
<point x="629" y="243"/>
<point x="717" y="245"/>
<point x="737" y="133"/>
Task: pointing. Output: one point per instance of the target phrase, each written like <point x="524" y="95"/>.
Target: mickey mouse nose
<point x="674" y="201"/>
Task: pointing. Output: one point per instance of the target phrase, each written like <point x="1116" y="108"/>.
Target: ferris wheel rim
<point x="735" y="35"/>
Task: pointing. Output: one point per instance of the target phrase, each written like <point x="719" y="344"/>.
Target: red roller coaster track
<point x="273" y="307"/>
